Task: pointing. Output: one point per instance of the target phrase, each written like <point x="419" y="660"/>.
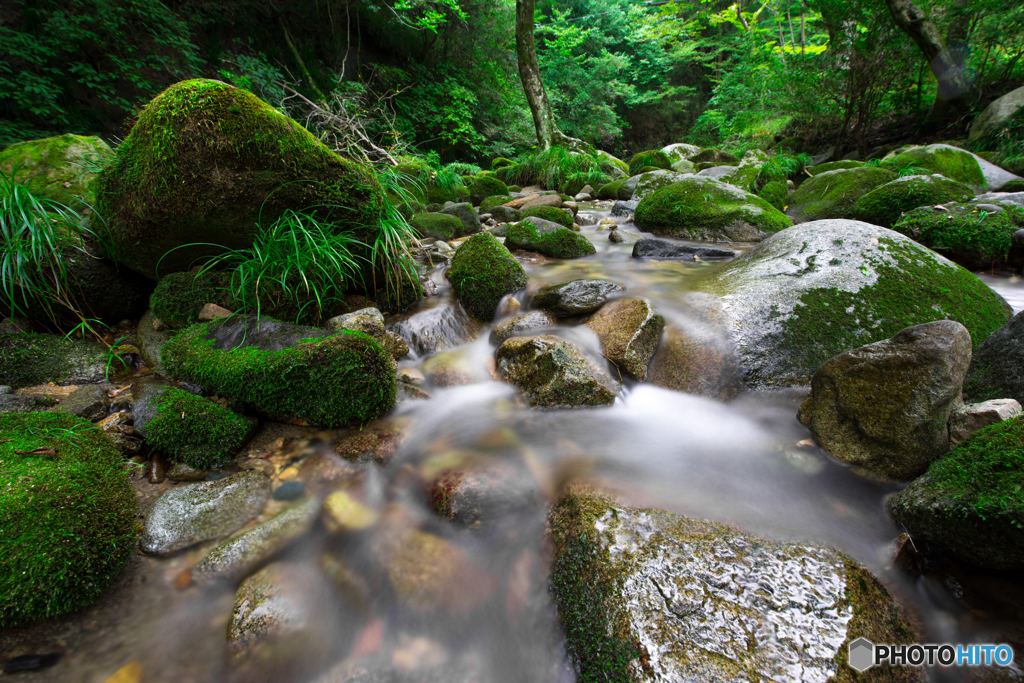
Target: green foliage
<point x="69" y="515"/>
<point x="559" y="168"/>
<point x="1007" y="142"/>
<point x="193" y="430"/>
<point x="550" y="213"/>
<point x="781" y="167"/>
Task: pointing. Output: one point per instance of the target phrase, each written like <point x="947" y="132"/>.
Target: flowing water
<point x="490" y="616"/>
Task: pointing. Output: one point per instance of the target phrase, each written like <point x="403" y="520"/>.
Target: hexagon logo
<point x="862" y="654"/>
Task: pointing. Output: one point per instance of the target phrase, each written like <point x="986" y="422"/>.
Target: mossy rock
<point x="553" y="373"/>
<point x="69" y="515"/>
<point x="493" y="201"/>
<point x="179" y="297"/>
<point x="793" y="145"/>
<point x="715" y="157"/>
<point x="434" y="194"/>
<point x="29" y="359"/>
<point x="705" y="208"/>
<point x="482" y="187"/>
<point x="775" y="193"/>
<point x="1013" y="186"/>
<point x="834" y="194"/>
<point x="207" y="163"/>
<point x="951" y="162"/>
<point x="680" y="151"/>
<point x="649" y="182"/>
<point x="287" y="371"/>
<point x="190" y="429"/>
<point x="610" y="191"/>
<point x="500" y="162"/>
<point x="997" y="369"/>
<point x="515" y="188"/>
<point x="550" y="213"/>
<point x="885" y="204"/>
<point x="969" y="501"/>
<point x="547" y="238"/>
<point x="437" y="225"/>
<point x="61" y="168"/>
<point x="482" y="272"/>
<point x="629" y="583"/>
<point x="841" y="165"/>
<point x="813" y="291"/>
<point x="653" y="158"/>
<point x="749" y="175"/>
<point x="975" y="238"/>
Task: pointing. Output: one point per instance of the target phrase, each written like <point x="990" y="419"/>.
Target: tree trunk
<point x="529" y="74"/>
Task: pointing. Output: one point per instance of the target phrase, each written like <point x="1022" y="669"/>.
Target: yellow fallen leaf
<point x="129" y="673"/>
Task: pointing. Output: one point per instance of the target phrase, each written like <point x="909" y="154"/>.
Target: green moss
<point x="884" y="205"/>
<point x="550" y="213"/>
<point x="491" y="202"/>
<point x="500" y="162"/>
<point x="559" y="243"/>
<point x="482" y="186"/>
<point x="775" y="193"/>
<point x="329" y="381"/>
<point x="207" y="162"/>
<point x="195" y="431"/>
<point x="834" y="194"/>
<point x="179" y="297"/>
<point x="654" y="158"/>
<point x="29" y="359"/>
<point x="610" y="190"/>
<point x="61" y="168"/>
<point x="437" y="225"/>
<point x="69" y="520"/>
<point x="715" y="157"/>
<point x="701" y="208"/>
<point x="482" y="272"/>
<point x="955" y="164"/>
<point x="828" y="321"/>
<point x="834" y="166"/>
<point x="963" y="229"/>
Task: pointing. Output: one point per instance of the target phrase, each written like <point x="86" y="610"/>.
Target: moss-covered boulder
<point x="62" y="168"/>
<point x="841" y="165"/>
<point x="680" y="151"/>
<point x="973" y="237"/>
<point x="207" y="163"/>
<point x="484" y="186"/>
<point x="482" y="272"/>
<point x="467" y="217"/>
<point x="610" y="191"/>
<point x="287" y="371"/>
<point x="179" y="297"/>
<point x="440" y="226"/>
<point x="190" y="429"/>
<point x="833" y="194"/>
<point x="550" y="239"/>
<point x="650" y="182"/>
<point x="705" y="208"/>
<point x="550" y="213"/>
<point x="809" y="293"/>
<point x="950" y="162"/>
<point x="629" y="330"/>
<point x="997" y="368"/>
<point x="553" y="373"/>
<point x="654" y="158"/>
<point x="491" y="202"/>
<point x="885" y="204"/>
<point x="500" y="162"/>
<point x="647" y="595"/>
<point x="775" y="193"/>
<point x="749" y="172"/>
<point x="714" y="156"/>
<point x="28" y="359"/>
<point x="69" y="515"/>
<point x="969" y="502"/>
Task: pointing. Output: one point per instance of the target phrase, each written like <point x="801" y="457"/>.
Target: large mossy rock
<point x="207" y="163"/>
<point x="62" y="168"/>
<point x="550" y="239"/>
<point x="996" y="115"/>
<point x="842" y="164"/>
<point x="833" y="194"/>
<point x="553" y="373"/>
<point x="973" y="237"/>
<point x="28" y="359"/>
<point x="468" y="218"/>
<point x="648" y="183"/>
<point x="680" y="151"/>
<point x="179" y="297"/>
<point x="484" y="186"/>
<point x="997" y="369"/>
<point x="551" y="214"/>
<point x="653" y="157"/>
<point x="440" y="226"/>
<point x="969" y="502"/>
<point x="945" y="160"/>
<point x="68" y="520"/>
<point x="287" y="371"/>
<point x="885" y="407"/>
<point x="646" y="595"/>
<point x="885" y="204"/>
<point x="705" y="208"/>
<point x="813" y="291"/>
<point x="482" y="272"/>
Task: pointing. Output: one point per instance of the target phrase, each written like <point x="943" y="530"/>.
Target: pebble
<point x="290" y="490"/>
<point x="341" y="512"/>
<point x="213" y="312"/>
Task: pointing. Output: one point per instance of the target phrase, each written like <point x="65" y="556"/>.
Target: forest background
<point x="440" y="78"/>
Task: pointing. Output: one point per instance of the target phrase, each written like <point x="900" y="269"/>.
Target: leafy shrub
<point x="559" y="168"/>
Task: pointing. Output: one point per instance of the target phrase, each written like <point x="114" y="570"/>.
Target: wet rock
<point x="697" y="360"/>
<point x="616" y="237"/>
<point x="342" y="513"/>
<point x="506" y="214"/>
<point x="10" y="403"/>
<point x="150" y="341"/>
<point x="553" y="373"/>
<point x="621" y="208"/>
<point x="646" y="595"/>
<point x="439" y="326"/>
<point x="236" y="557"/>
<point x="550" y="239"/>
<point x="968" y="419"/>
<point x="157" y="468"/>
<point x="629" y="330"/>
<point x="30" y="663"/>
<point x="969" y="501"/>
<point x="377" y="441"/>
<point x="182" y="472"/>
<point x="395" y="345"/>
<point x="885" y="407"/>
<point x="997" y="369"/>
<point x="652" y="247"/>
<point x="289" y="490"/>
<point x="521" y="323"/>
<point x="205" y="511"/>
<point x="467" y="216"/>
<point x="453" y="369"/>
<point x="815" y="290"/>
<point x="368" y="321"/>
<point x="324" y="470"/>
<point x="484" y="495"/>
<point x="575" y="297"/>
<point x="28" y="359"/>
<point x="482" y="273"/>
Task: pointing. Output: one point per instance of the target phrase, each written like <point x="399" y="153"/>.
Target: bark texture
<point x="529" y="73"/>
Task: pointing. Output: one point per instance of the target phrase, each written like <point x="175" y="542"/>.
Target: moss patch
<point x="884" y="205"/>
<point x="69" y="517"/>
<point x="550" y="213"/>
<point x="179" y="297"/>
<point x="193" y="430"/>
<point x="610" y="190"/>
<point x="834" y="166"/>
<point x="482" y="272"/>
<point x="437" y="225"/>
<point x="28" y="359"/>
<point x="833" y="194"/>
<point x="557" y="243"/>
<point x="963" y="229"/>
<point x="654" y="159"/>
<point x="955" y="164"/>
<point x="61" y="168"/>
<point x="483" y="186"/>
<point x="775" y="193"/>
<point x="491" y="202"/>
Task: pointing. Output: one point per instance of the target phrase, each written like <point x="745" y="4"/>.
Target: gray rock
<point x="1018" y="238"/>
<point x="1004" y="198"/>
<point x="464" y="212"/>
<point x="505" y="214"/>
<point x="575" y="297"/>
<point x="545" y="199"/>
<point x="521" y="323"/>
<point x="553" y="373"/>
<point x="616" y="237"/>
<point x="970" y="418"/>
<point x="652" y="247"/>
<point x="717" y="172"/>
<point x="652" y="181"/>
<point x="996" y="114"/>
<point x="621" y="208"/>
<point x="10" y="403"/>
<point x="5" y="389"/>
<point x="627" y="188"/>
<point x="366" y="320"/>
<point x="151" y="342"/>
<point x="237" y="557"/>
<point x="205" y="511"/>
<point x="445" y="325"/>
<point x="629" y="331"/>
<point x="583" y="197"/>
<point x="885" y="407"/>
<point x="90" y="402"/>
<point x="997" y="370"/>
<point x="813" y="291"/>
<point x="680" y="151"/>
